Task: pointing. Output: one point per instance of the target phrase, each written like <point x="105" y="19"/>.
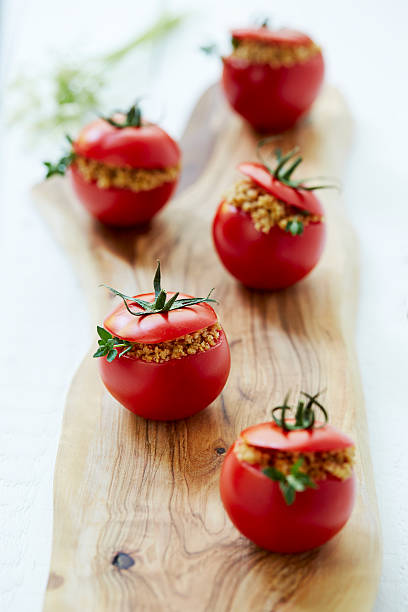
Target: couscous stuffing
<point x="265" y="210"/>
<point x="135" y="179"/>
<point x="318" y="466"/>
<point x="275" y="55"/>
<point x="190" y="344"/>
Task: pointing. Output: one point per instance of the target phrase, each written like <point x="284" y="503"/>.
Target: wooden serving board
<point x="138" y="523"/>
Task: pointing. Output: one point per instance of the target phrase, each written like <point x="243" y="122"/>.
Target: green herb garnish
<point x="295" y="227"/>
<point x="161" y="304"/>
<point x="295" y="482"/>
<point x="74" y="91"/>
<point x="61" y="166"/>
<point x="305" y="417"/>
<point x="109" y="345"/>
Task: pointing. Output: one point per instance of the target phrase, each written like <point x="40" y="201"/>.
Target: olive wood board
<point x="138" y="520"/>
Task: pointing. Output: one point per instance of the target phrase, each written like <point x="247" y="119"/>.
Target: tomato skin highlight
<point x="272" y="99"/>
<point x="175" y="389"/>
<point x="271" y="261"/>
<point x="120" y="207"/>
<point x="257" y="508"/>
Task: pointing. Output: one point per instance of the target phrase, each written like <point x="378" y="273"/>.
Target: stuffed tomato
<point x="269" y="230"/>
<point x="164" y="356"/>
<point x="289" y="485"/>
<point x="271" y="78"/>
<point x="123" y="169"/>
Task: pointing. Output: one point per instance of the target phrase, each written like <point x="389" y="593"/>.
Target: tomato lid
<point x="160" y="327"/>
<point x="283" y="36"/>
<point x="271" y="436"/>
<point x="147" y="146"/>
<point x="303" y="199"/>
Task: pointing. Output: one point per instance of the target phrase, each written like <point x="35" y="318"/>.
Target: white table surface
<point x="42" y="306"/>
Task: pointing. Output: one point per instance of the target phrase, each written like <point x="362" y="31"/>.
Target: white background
<point x="44" y="325"/>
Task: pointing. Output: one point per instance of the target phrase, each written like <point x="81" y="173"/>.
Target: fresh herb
<point x="305" y="417"/>
<point x="294" y="482"/>
<point x="295" y="227"/>
<point x="235" y="42"/>
<point x="71" y="92"/>
<point x="133" y="118"/>
<point x="161" y="304"/>
<point x="109" y="345"/>
<point x="285" y="167"/>
<point x="210" y="49"/>
<point x="61" y="166"/>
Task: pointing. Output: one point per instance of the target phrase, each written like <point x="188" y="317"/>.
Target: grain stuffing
<point x="276" y="55"/>
<point x="135" y="179"/>
<point x="190" y="344"/>
<point x="318" y="466"/>
<point x="265" y="210"/>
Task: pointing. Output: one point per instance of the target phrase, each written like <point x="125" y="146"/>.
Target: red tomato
<point x="272" y="260"/>
<point x="257" y="507"/>
<point x="174" y="389"/>
<point x="147" y="147"/>
<point x="271" y="98"/>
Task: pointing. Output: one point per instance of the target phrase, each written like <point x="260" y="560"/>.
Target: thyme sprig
<point x="133" y="118"/>
<point x="294" y="482"/>
<point x="72" y="91"/>
<point x="109" y="345"/>
<point x="161" y="304"/>
<point x="60" y="167"/>
<point x="286" y="165"/>
<point x="305" y="417"/>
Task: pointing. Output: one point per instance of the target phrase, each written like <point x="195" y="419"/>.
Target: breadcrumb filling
<point x="257" y="52"/>
<point x="135" y="179"/>
<point x="318" y="466"/>
<point x="189" y="344"/>
<point x="265" y="210"/>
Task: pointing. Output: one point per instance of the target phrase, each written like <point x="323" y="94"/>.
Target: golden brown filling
<point x="318" y="466"/>
<point x="136" y="179"/>
<point x="176" y="349"/>
<point x="257" y="52"/>
<point x="265" y="210"/>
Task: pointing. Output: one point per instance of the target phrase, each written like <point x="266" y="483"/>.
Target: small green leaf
<point x="111" y="355"/>
<point x="296" y="483"/>
<point x="289" y="492"/>
<point x="234" y="42"/>
<point x="103" y="333"/>
<point x="295" y="227"/>
<point x="100" y="352"/>
<point x="211" y="49"/>
<point x="273" y="473"/>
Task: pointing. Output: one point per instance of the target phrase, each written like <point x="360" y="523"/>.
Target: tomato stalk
<point x="133" y="118"/>
<point x="286" y="165"/>
<point x="305" y="417"/>
<point x="160" y="305"/>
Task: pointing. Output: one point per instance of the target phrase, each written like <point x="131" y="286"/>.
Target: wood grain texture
<point x="150" y="490"/>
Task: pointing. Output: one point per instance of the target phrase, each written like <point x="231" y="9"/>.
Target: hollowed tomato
<point x="273" y="260"/>
<point x="147" y="147"/>
<point x="272" y="99"/>
<point x="167" y="390"/>
<point x="257" y="507"/>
